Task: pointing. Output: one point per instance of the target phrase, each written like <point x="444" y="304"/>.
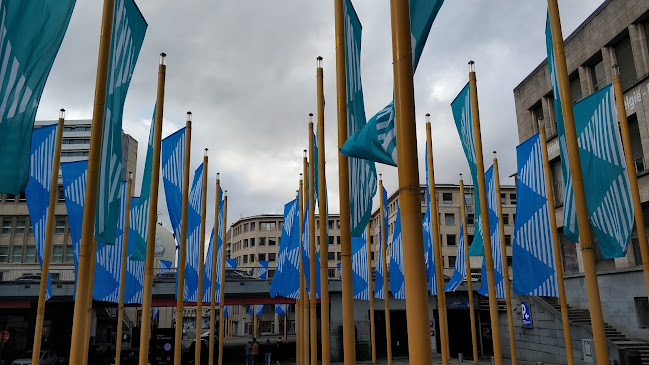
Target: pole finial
<point x="495" y="155"/>
<point x="218" y="175"/>
<point x="62" y="113"/>
<point x="130" y="174"/>
<point x="319" y="62"/>
<point x="427" y="117"/>
<point x="189" y="116"/>
<point x="205" y="153"/>
<point x="163" y="57"/>
<point x="616" y="70"/>
<point x="471" y="66"/>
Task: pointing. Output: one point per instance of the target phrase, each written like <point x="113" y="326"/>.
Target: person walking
<point x="254" y="351"/>
<point x="268" y="351"/>
<point x="278" y="350"/>
<point x="249" y="353"/>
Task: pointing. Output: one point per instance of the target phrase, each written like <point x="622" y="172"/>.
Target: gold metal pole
<point x="47" y="246"/>
<point x="306" y="343"/>
<point x="298" y="303"/>
<point x="437" y="245"/>
<point x="633" y="177"/>
<point x="145" y="330"/>
<point x="312" y="267"/>
<point x="88" y="226"/>
<point x="386" y="289"/>
<point x="469" y="283"/>
<point x="413" y="249"/>
<point x="322" y="215"/>
<point x="503" y="249"/>
<point x="222" y="297"/>
<point x="585" y="238"/>
<point x="91" y="283"/>
<point x="556" y="245"/>
<point x="182" y="253"/>
<point x="215" y="258"/>
<point x="482" y="193"/>
<point x="285" y="332"/>
<point x="122" y="278"/>
<point x="201" y="263"/>
<point x="371" y="293"/>
<point x="343" y="191"/>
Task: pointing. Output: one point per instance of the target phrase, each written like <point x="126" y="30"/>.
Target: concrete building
<point x="617" y="33"/>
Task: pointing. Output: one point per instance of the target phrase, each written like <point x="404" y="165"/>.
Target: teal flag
<point x="461" y="108"/>
<point x="137" y="248"/>
<point x="362" y="173"/>
<point x="127" y="37"/>
<point x="570" y="229"/>
<point x="31" y="33"/>
<point x="377" y="141"/>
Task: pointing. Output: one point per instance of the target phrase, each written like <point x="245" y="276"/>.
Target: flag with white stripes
<point x="379" y="291"/>
<point x="37" y="191"/>
<point x="397" y="283"/>
<point x="230" y="263"/>
<point x="306" y="256"/>
<point x="360" y="282"/>
<point x="286" y="279"/>
<point x="137" y="250"/>
<point x="74" y="175"/>
<point x="429" y="239"/>
<point x="31" y="33"/>
<point x="608" y="191"/>
<point x="262" y="269"/>
<point x="127" y="37"/>
<point x="207" y="270"/>
<point x="219" y="245"/>
<point x="459" y="271"/>
<point x="108" y="265"/>
<point x="258" y="309"/>
<point x="496" y="251"/>
<point x="172" y="158"/>
<point x="165" y="266"/>
<point x="226" y="311"/>
<point x="570" y="229"/>
<point x="134" y="280"/>
<point x="533" y="264"/>
<point x="376" y="141"/>
<point x="281" y="309"/>
<point x="193" y="236"/>
<point x="462" y="114"/>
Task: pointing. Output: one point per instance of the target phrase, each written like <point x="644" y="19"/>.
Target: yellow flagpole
<point x="201" y="263"/>
<point x="254" y="318"/>
<point x="312" y="267"/>
<point x="122" y="278"/>
<point x="87" y="247"/>
<point x="474" y="341"/>
<point x="182" y="253"/>
<point x="503" y="247"/>
<point x="371" y="293"/>
<point x="285" y="332"/>
<point x="386" y="289"/>
<point x="222" y="296"/>
<point x="145" y="330"/>
<point x="437" y="245"/>
<point x="47" y="246"/>
<point x="91" y="283"/>
<point x="413" y="249"/>
<point x="633" y="177"/>
<point x="322" y="215"/>
<point x="585" y="237"/>
<point x="215" y="258"/>
<point x="556" y="247"/>
<point x="343" y="191"/>
<point x="493" y="301"/>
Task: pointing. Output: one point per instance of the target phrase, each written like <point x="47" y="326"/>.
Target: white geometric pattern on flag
<point x="359" y="267"/>
<point x="109" y="257"/>
<point x="136" y="286"/>
<point x="460" y="264"/>
<point x="172" y="171"/>
<point x="496" y="250"/>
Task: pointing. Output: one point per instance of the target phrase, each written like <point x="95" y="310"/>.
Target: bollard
<point x="460" y="357"/>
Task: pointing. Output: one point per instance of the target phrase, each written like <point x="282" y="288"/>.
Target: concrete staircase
<point x="582" y="316"/>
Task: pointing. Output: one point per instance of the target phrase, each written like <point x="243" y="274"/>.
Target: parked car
<point x="237" y="274"/>
<point x="47" y="358"/>
<point x="31" y="278"/>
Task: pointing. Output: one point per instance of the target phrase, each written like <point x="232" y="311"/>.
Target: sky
<point x="246" y="70"/>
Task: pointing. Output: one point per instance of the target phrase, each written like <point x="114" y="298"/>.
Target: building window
<point x="447" y="198"/>
<point x="468" y="198"/>
<point x="245" y="259"/>
<point x="449" y="219"/>
<point x="20" y="226"/>
<point x="537" y="114"/>
<point x="636" y="144"/>
<point x="599" y="75"/>
<point x="451" y="261"/>
<point x="331" y="224"/>
<point x="512" y="199"/>
<point x="252" y="258"/>
<point x="272" y="241"/>
<point x="245" y="228"/>
<point x="557" y="182"/>
<point x="22" y="198"/>
<point x="10" y="198"/>
<point x="4" y="253"/>
<point x="450" y="240"/>
<point x="245" y="243"/>
<point x="509" y="261"/>
<point x="506" y="219"/>
<point x="267" y="226"/>
<point x="642" y="311"/>
<point x="262" y="241"/>
<point x="57" y="253"/>
<point x="252" y="227"/>
<point x="30" y="254"/>
<point x="372" y="255"/>
<point x="272" y="256"/>
<point x="503" y="198"/>
<point x="6" y="226"/>
<point x="508" y="240"/>
<point x="17" y="253"/>
<point x="332" y="240"/>
<point x="470" y="240"/>
<point x="624" y="57"/>
<point x="261" y="257"/>
<point x="252" y="242"/>
<point x="338" y="255"/>
<point x="575" y="87"/>
<point x="69" y="253"/>
<point x="470" y="219"/>
<point x="59" y="227"/>
<point x="338" y="224"/>
<point x="331" y="256"/>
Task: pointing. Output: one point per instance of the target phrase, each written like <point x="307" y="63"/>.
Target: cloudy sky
<point x="246" y="69"/>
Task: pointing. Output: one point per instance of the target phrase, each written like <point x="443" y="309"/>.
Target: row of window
<point x="447" y="199"/>
<point x="251" y="242"/>
<point x="76" y="141"/>
<point x="76" y="128"/>
<point x="19" y="227"/>
<point x="27" y="254"/>
<point x="245" y="259"/>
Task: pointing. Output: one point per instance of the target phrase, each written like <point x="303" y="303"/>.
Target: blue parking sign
<point x="526" y="314"/>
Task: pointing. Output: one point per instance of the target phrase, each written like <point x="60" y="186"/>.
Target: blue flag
<point x="397" y="283"/>
<point x="127" y="37"/>
<point x="281" y="309"/>
<point x="32" y="32"/>
<point x="164" y="266"/>
<point x="37" y="191"/>
<point x="262" y="269"/>
<point x="207" y="276"/>
<point x="219" y="245"/>
<point x="533" y="265"/>
<point x="193" y="236"/>
<point x="377" y="141"/>
<point x="306" y="257"/>
<point x="379" y="291"/>
<point x="207" y="270"/>
<point x="459" y="271"/>
<point x="429" y="239"/>
<point x="286" y="280"/>
<point x="496" y="252"/>
<point x="173" y="160"/>
<point x="137" y="250"/>
<point x="258" y="309"/>
<point x="360" y="282"/>
<point x="230" y="263"/>
<point x="462" y="114"/>
<point x="134" y="280"/>
<point x="226" y="311"/>
<point x="108" y="265"/>
<point x="74" y="176"/>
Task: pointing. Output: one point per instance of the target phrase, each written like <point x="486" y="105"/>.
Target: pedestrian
<point x="268" y="351"/>
<point x="249" y="353"/>
<point x="278" y="350"/>
<point x="254" y="351"/>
